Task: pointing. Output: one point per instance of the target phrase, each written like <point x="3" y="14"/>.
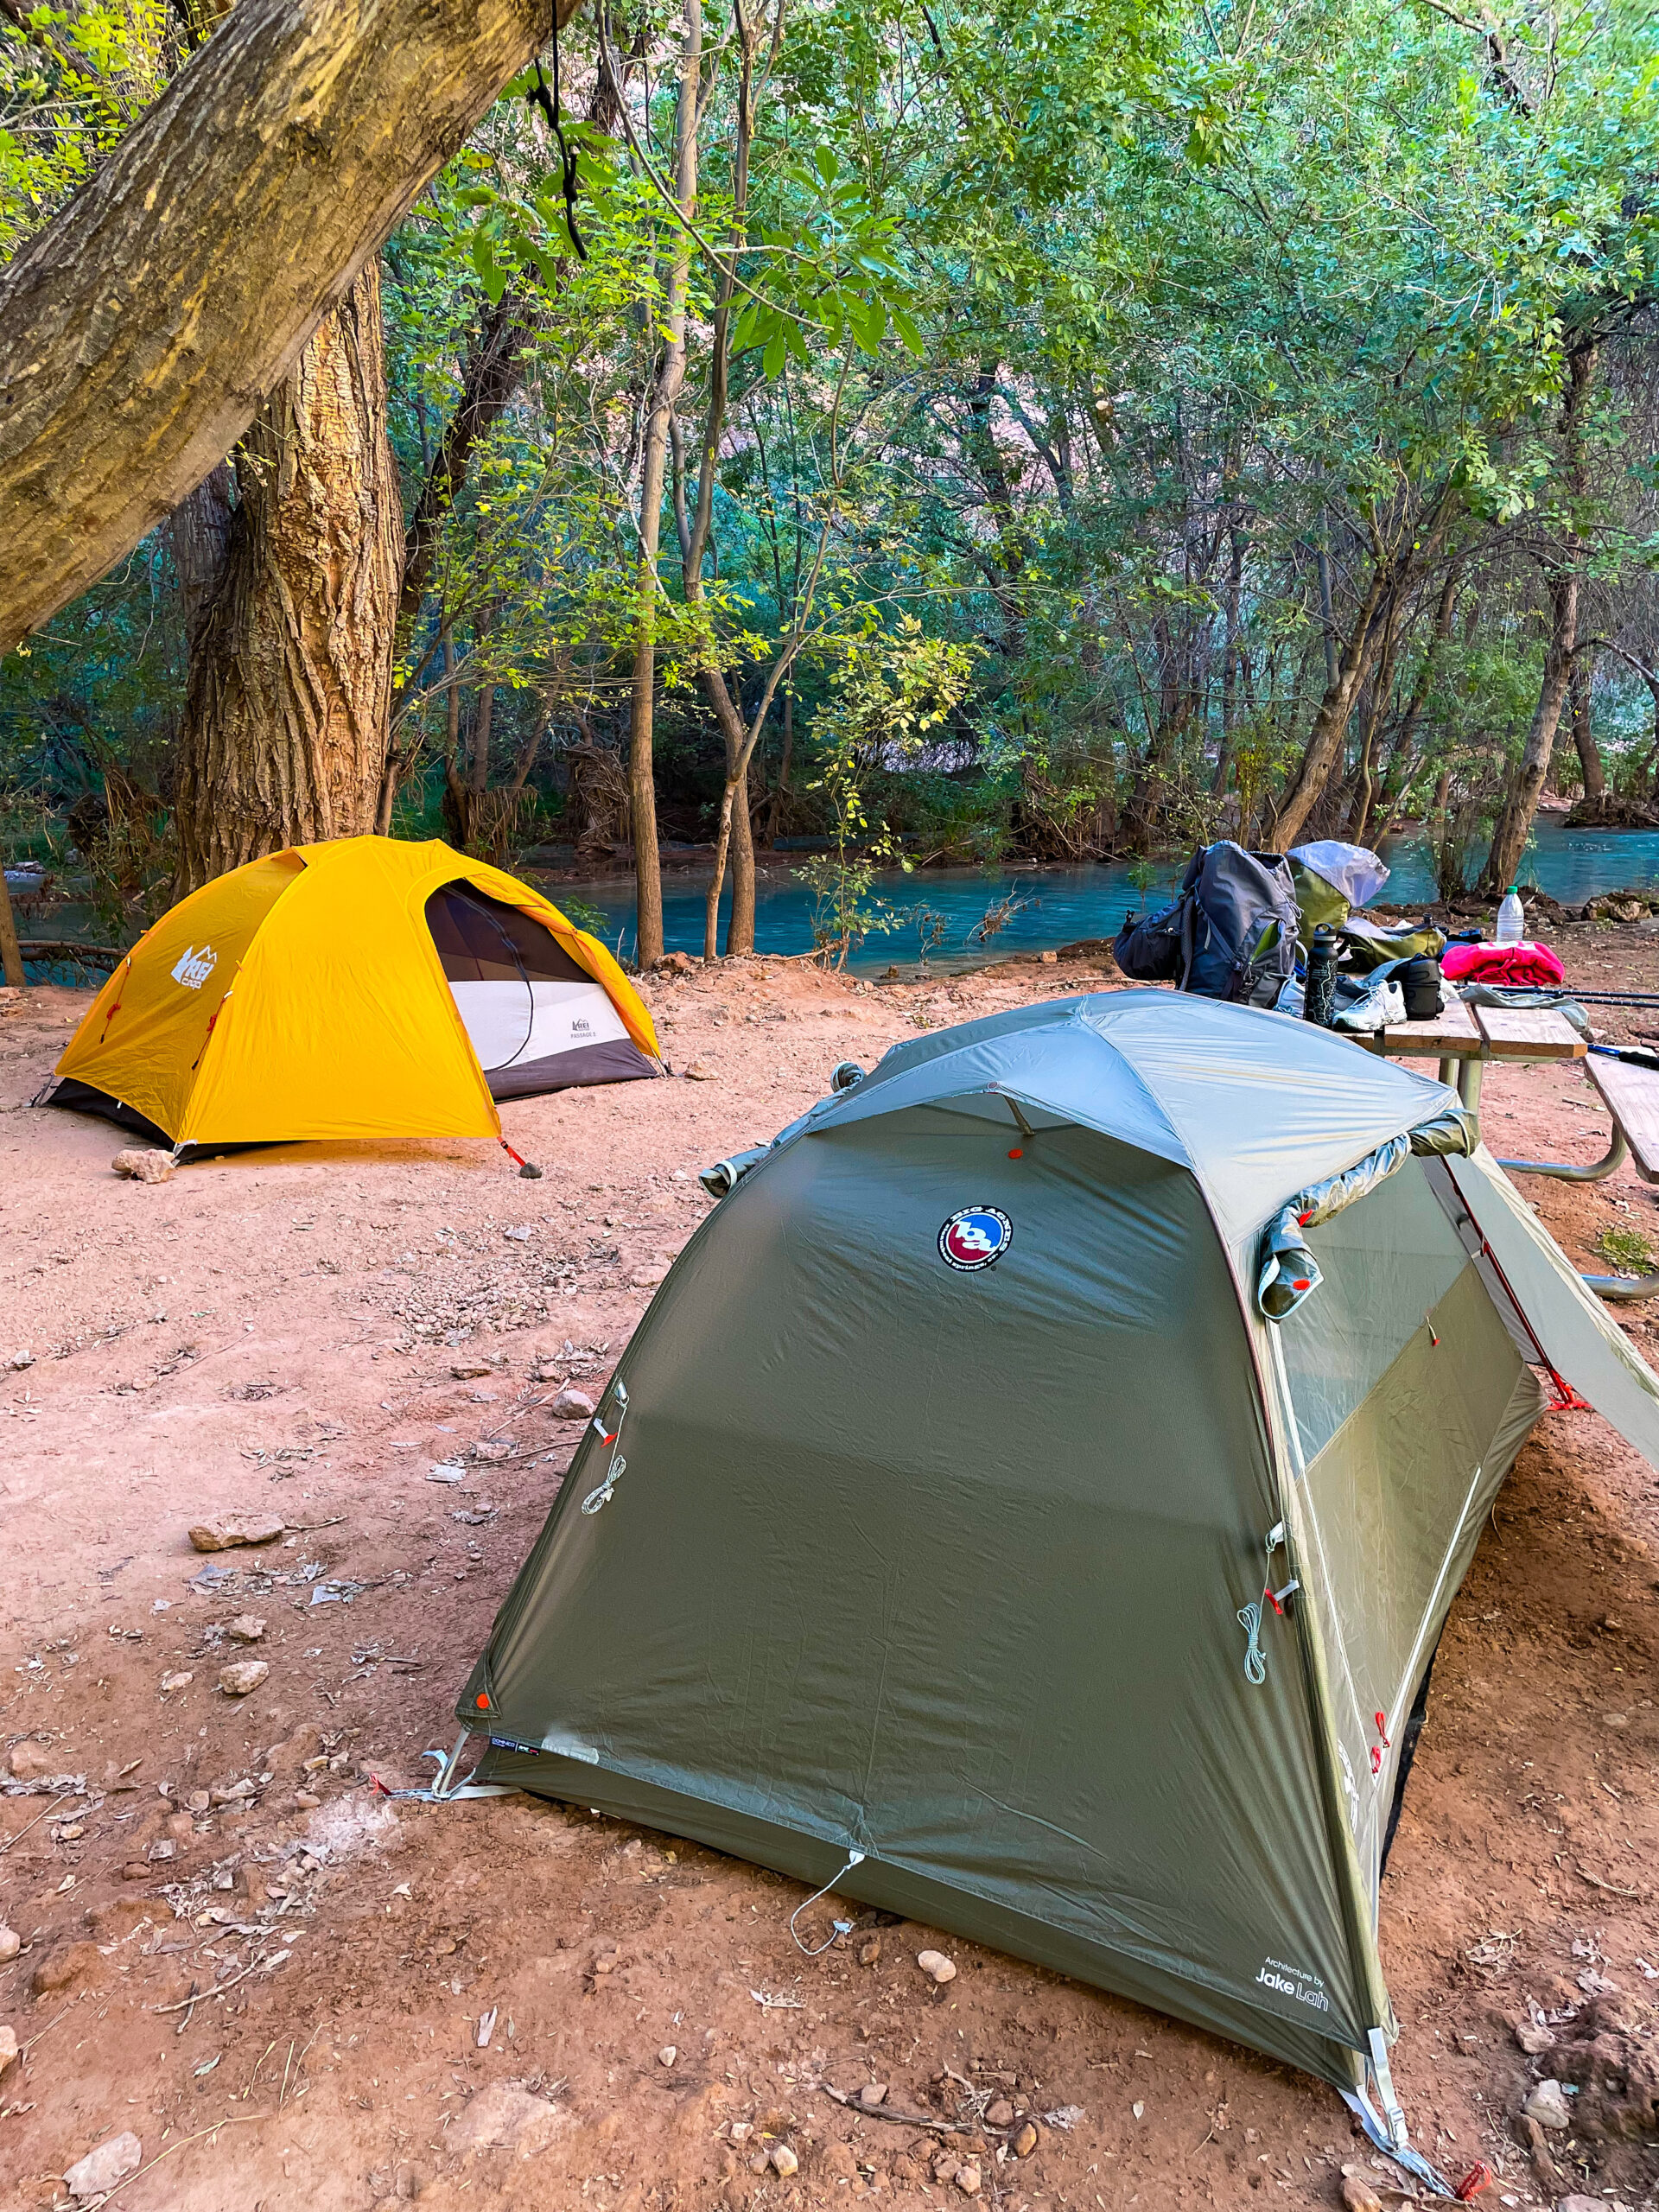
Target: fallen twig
<point x="905" y="2118"/>
<point x="1612" y="1888"/>
<point x="25" y="2050"/>
<point x="218" y="1989"/>
<point x="62" y="1798"/>
<point x="235" y="2120"/>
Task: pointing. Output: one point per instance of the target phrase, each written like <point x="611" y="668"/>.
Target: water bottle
<point x="1319" y="997"/>
<point x="1511" y="918"/>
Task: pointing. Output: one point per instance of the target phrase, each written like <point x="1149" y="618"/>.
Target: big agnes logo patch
<point x="976" y="1237"/>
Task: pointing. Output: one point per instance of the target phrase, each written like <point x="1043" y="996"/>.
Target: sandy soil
<point x="300" y="1332"/>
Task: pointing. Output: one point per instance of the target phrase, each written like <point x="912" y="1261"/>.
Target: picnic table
<point x="1464" y="1037"/>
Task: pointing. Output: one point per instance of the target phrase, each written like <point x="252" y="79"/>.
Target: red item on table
<point x="1533" y="966"/>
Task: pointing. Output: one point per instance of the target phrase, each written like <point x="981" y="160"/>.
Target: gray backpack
<point x="1230" y="934"/>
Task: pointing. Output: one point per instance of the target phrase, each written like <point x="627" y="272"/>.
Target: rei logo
<point x="194" y="968"/>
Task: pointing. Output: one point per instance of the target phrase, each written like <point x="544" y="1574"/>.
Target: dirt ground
<point x="304" y="1332"/>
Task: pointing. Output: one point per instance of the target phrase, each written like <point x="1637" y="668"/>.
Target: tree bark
<point x="1526" y="786"/>
<point x="1526" y="783"/>
<point x="1584" y="735"/>
<point x="665" y="392"/>
<point x="199" y="530"/>
<point x="11" y="956"/>
<point x="286" y="716"/>
<point x="139" y="330"/>
<point x="1331" y="722"/>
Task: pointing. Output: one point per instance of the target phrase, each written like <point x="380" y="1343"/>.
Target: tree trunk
<point x="665" y="392"/>
<point x="139" y="330"/>
<point x="1584" y="735"/>
<point x="12" y="958"/>
<point x="1397" y="780"/>
<point x="1526" y="783"/>
<point x="285" y="722"/>
<point x="1331" y="722"/>
<point x="199" y="530"/>
<point x="1526" y="786"/>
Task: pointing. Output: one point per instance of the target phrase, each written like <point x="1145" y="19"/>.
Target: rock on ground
<point x="224" y="1530"/>
<point x="244" y="1676"/>
<point x="503" y="2117"/>
<point x="572" y="1405"/>
<point x="100" y="2170"/>
<point x="140" y="1163"/>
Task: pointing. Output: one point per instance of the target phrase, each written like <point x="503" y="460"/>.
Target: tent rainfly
<point x="360" y="989"/>
<point x="962" y="1529"/>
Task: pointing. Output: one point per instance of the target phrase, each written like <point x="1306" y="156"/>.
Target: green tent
<point x="934" y="1536"/>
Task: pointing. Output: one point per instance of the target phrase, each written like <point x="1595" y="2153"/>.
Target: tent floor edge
<point x="814" y="1859"/>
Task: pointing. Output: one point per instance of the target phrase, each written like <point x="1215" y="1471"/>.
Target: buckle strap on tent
<point x="1394" y="2139"/>
<point x="444" y="1787"/>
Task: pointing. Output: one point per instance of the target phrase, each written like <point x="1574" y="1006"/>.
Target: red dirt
<point x="245" y="1338"/>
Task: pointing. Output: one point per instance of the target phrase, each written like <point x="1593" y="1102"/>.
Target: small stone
<point x="225" y="1530"/>
<point x="246" y="1628"/>
<point x="999" y="2114"/>
<point x="872" y="2095"/>
<point x="1580" y="2204"/>
<point x="1537" y="2145"/>
<point x="1048" y="959"/>
<point x="1615" y="1720"/>
<point x="572" y="1405"/>
<point x="1547" y="2104"/>
<point x="945" y="2167"/>
<point x="1138" y="2109"/>
<point x="307" y="1800"/>
<point x="968" y="2177"/>
<point x="869" y="1951"/>
<point x="668" y="2054"/>
<point x="936" y="1965"/>
<point x="19" y="1360"/>
<point x="238" y="1794"/>
<point x="32" y="1761"/>
<point x="1534" y="2037"/>
<point x="1025" y="2140"/>
<point x="243" y="1677"/>
<point x="198" y="1801"/>
<point x="674" y="963"/>
<point x="648" y="1278"/>
<point x="492" y="1449"/>
<point x="10" y="1943"/>
<point x="471" y="1371"/>
<point x="741" y="2130"/>
<point x="760" y="2163"/>
<point x="180" y="1681"/>
<point x="700" y="1071"/>
<point x="783" y="2161"/>
<point x="1358" y="2196"/>
<point x="8" y="2047"/>
<point x="100" y="2170"/>
<point x="142" y="1164"/>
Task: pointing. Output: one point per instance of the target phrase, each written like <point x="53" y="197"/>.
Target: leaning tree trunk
<point x="1527" y="778"/>
<point x="284" y="733"/>
<point x="1526" y="786"/>
<point x="138" y="330"/>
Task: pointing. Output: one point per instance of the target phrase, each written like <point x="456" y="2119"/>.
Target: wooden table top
<point x="1451" y="1035"/>
<point x="1529" y="1033"/>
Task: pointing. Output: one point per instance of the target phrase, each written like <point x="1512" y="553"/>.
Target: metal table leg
<point x="1565" y="1171"/>
<point x="1468" y="1084"/>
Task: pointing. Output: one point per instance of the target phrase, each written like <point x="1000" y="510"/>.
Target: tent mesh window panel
<point x="537" y="1020"/>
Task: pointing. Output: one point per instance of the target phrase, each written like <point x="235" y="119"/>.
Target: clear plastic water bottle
<point x="1511" y="918"/>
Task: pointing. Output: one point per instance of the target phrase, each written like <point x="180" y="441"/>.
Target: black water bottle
<point x="1319" y="997"/>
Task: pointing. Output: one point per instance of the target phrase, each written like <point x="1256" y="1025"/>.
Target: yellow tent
<point x="359" y="988"/>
